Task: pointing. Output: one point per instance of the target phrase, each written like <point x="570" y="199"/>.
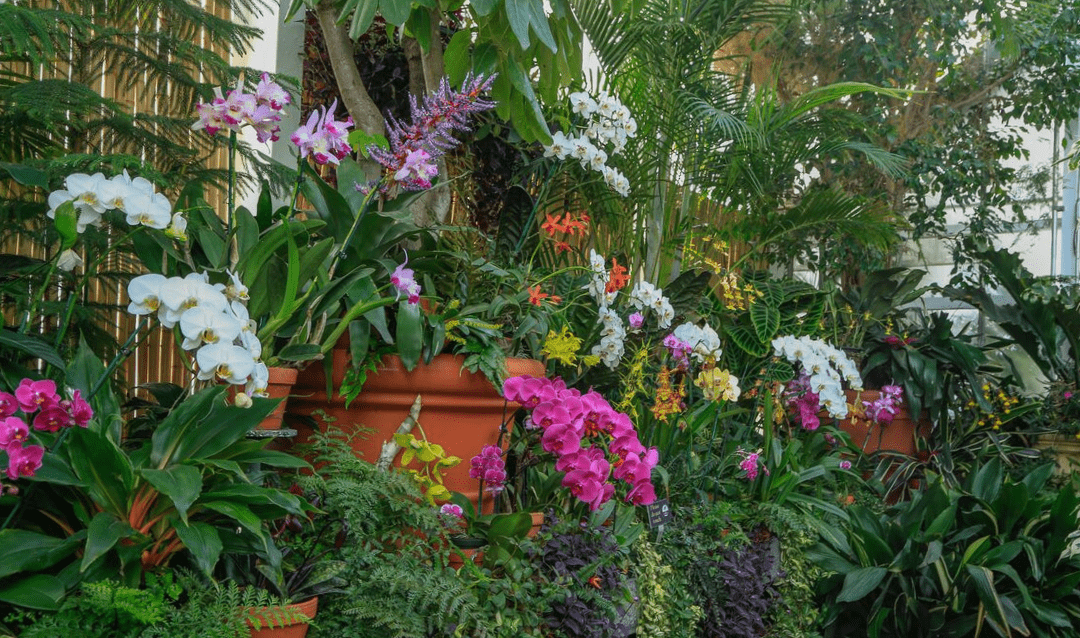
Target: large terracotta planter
<point x="898" y="436"/>
<point x="298" y="629"/>
<point x="460" y="411"/>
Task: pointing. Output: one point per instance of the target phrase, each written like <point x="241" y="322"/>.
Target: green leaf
<point x="204" y="543"/>
<point x="362" y="18"/>
<point x="212" y="244"/>
<point x="396" y="12"/>
<point x="410" y="334"/>
<point x="983" y="579"/>
<point x="103" y="533"/>
<point x="300" y="352"/>
<point x="23" y="550"/>
<point x="361" y="140"/>
<point x="25" y="175"/>
<point x="766" y="321"/>
<point x="39" y="591"/>
<point x="103" y="468"/>
<point x="202" y="426"/>
<point x="32" y="346"/>
<point x="455" y="59"/>
<point x="518" y="13"/>
<point x="181" y="483"/>
<point x="988" y="481"/>
<point x="859" y="583"/>
<point x="484" y="7"/>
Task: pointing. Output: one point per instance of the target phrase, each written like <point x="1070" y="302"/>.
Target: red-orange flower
<point x="574" y="226"/>
<point x="595" y="581"/>
<point x="535" y="296"/>
<point x="617" y="278"/>
<point x="561" y="247"/>
<point x="552" y="225"/>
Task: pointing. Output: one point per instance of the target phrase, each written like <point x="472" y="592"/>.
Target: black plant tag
<point x="659" y="512"/>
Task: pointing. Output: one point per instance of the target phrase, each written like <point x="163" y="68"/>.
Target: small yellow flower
<point x="562" y="346"/>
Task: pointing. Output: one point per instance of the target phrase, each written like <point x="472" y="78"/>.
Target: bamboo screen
<point x="157" y="359"/>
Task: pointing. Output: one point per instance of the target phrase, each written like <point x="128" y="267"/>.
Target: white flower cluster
<point x="613" y="333"/>
<point x="95" y="194"/>
<point x="612" y="337"/>
<point x="213" y="320"/>
<point x="645" y="296"/>
<point x="608" y="126"/>
<point x="597" y="286"/>
<point x="703" y="341"/>
<point x="826" y="366"/>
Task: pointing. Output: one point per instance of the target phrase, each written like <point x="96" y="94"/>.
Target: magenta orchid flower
<point x="8" y="405"/>
<point x="24" y="461"/>
<point x="32" y="395"/>
<point x="13" y="431"/>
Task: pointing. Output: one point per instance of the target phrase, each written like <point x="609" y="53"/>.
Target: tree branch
<point x="354" y="94"/>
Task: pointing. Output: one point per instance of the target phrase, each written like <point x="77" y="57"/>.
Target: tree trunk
<point x="354" y="94"/>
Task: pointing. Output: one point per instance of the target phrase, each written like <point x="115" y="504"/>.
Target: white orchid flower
<point x="224" y="361"/>
<point x="202" y="324"/>
<point x="260" y="378"/>
<point x="144" y="292"/>
<point x="69" y="260"/>
<point x="179" y="295"/>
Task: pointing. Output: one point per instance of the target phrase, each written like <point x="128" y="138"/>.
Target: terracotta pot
<point x="537" y="521"/>
<point x="293" y="630"/>
<point x="461" y="411"/>
<point x="279" y="386"/>
<point x="1063" y="449"/>
<point x="898" y="436"/>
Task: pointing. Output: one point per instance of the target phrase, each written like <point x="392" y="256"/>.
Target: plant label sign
<point x="659" y="512"/>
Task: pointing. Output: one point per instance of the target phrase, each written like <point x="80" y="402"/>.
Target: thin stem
<point x="24" y="327"/>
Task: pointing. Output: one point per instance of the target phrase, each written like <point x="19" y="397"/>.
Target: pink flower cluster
<point x="592" y="442"/>
<point x="323" y="137"/>
<point x="679" y="349"/>
<point x="803" y="402"/>
<point x="750" y="463"/>
<point x="261" y="109"/>
<point x="883" y="409"/>
<point x="415" y="147"/>
<point x="489" y="467"/>
<point x="53" y="413"/>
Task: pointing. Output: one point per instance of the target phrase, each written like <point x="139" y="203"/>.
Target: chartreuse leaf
<point x="181" y="483"/>
<point x="103" y="533"/>
<point x="204" y="543"/>
<point x="860" y="582"/>
<point x="39" y="591"/>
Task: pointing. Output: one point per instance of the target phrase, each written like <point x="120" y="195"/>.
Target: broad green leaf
<point x="181" y="483"/>
<point x="103" y="533"/>
<point x="300" y="352"/>
<point x="988" y="481"/>
<point x="983" y="579"/>
<point x="859" y="583"/>
<point x="39" y="591"/>
<point x="410" y="334"/>
<point x="396" y="12"/>
<point x="102" y="467"/>
<point x="23" y="550"/>
<point x="32" y="346"/>
<point x="25" y="175"/>
<point x="455" y="58"/>
<point x="518" y="13"/>
<point x="202" y="426"/>
<point x="204" y="543"/>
